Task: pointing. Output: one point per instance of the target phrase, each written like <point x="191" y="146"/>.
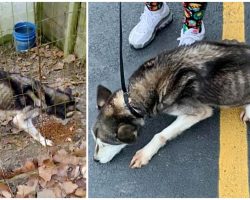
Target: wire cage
<point x="42" y="83"/>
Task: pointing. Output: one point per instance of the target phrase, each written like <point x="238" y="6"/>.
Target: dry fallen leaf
<point x="83" y="171"/>
<point x="69" y="187"/>
<point x="5" y="119"/>
<point x="62" y="170"/>
<point x="24" y="191"/>
<point x="79" y="152"/>
<point x="70" y="58"/>
<point x="43" y="159"/>
<point x="58" y="192"/>
<point x="29" y="166"/>
<point x="59" y="66"/>
<point x="33" y="181"/>
<point x="6" y="194"/>
<point x="46" y="193"/>
<point x="60" y="178"/>
<point x="81" y="182"/>
<point x="63" y="157"/>
<point x="42" y="182"/>
<point x="33" y="56"/>
<point x="4" y="187"/>
<point x="80" y="192"/>
<point x="19" y="59"/>
<point x="15" y="130"/>
<point x="51" y="183"/>
<point x="73" y="172"/>
<point x="47" y="170"/>
<point x="27" y="64"/>
<point x="60" y="54"/>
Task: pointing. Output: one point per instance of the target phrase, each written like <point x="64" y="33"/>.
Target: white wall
<point x="11" y="13"/>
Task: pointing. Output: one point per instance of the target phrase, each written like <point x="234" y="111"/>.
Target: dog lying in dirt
<point x="22" y="97"/>
<point x="186" y="82"/>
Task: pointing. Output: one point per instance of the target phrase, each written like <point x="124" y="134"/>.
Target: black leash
<point x="123" y="83"/>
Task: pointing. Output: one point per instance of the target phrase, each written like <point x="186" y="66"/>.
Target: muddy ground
<point x="17" y="148"/>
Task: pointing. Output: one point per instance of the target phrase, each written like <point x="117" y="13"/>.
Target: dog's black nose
<point x="95" y="160"/>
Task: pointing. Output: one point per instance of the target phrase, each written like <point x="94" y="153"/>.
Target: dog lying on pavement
<point x="22" y="97"/>
<point x="186" y="82"/>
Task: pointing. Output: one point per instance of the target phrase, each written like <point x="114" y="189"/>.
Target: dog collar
<point x="131" y="109"/>
<point x="123" y="84"/>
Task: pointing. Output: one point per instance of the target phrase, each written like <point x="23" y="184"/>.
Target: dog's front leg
<point x="23" y="120"/>
<point x="245" y="114"/>
<point x="37" y="102"/>
<point x="183" y="122"/>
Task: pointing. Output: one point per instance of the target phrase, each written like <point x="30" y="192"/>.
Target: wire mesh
<point x="46" y="84"/>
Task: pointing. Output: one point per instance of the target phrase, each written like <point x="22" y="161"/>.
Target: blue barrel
<point x="24" y="36"/>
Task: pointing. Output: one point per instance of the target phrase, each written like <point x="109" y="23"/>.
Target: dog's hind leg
<point x="23" y="120"/>
<point x="183" y="122"/>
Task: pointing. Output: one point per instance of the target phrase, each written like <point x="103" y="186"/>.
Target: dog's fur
<point x="186" y="82"/>
<point x="21" y="96"/>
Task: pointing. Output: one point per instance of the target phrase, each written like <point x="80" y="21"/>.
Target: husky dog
<point x="21" y="97"/>
<point x="186" y="82"/>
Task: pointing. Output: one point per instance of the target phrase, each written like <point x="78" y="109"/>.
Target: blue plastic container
<point x="24" y="34"/>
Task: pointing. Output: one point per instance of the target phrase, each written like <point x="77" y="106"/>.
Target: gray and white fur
<point x="21" y="97"/>
<point x="186" y="82"/>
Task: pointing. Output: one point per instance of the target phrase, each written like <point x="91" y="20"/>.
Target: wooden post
<point x="38" y="8"/>
<point x="80" y="46"/>
<point x="71" y="31"/>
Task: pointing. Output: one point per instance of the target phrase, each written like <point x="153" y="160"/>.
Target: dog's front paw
<point x="46" y="142"/>
<point x="244" y="117"/>
<point x="140" y="158"/>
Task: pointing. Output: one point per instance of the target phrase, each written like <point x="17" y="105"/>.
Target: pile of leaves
<point x="56" y="70"/>
<point x="60" y="174"/>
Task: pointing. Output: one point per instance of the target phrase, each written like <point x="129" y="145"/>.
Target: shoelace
<point x="188" y="37"/>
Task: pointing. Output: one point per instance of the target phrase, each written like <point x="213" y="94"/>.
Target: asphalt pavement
<point x="186" y="166"/>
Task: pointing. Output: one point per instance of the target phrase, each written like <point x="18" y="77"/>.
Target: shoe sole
<point x="162" y="24"/>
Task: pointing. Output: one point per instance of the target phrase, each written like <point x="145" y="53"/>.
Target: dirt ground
<point x="23" y="160"/>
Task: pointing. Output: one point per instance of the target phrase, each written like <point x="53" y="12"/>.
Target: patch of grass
<point x="5" y="39"/>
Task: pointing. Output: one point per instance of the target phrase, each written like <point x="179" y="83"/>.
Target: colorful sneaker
<point x="191" y="36"/>
<point x="150" y="22"/>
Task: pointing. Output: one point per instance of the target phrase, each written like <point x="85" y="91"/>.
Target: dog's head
<point x="115" y="126"/>
<point x="60" y="103"/>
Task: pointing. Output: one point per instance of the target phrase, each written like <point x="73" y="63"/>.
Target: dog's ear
<point x="103" y="94"/>
<point x="68" y="91"/>
<point x="127" y="133"/>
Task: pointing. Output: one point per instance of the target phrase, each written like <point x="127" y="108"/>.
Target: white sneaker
<point x="150" y="22"/>
<point x="191" y="36"/>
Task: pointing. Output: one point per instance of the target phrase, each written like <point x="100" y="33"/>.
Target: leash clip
<point x="132" y="110"/>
